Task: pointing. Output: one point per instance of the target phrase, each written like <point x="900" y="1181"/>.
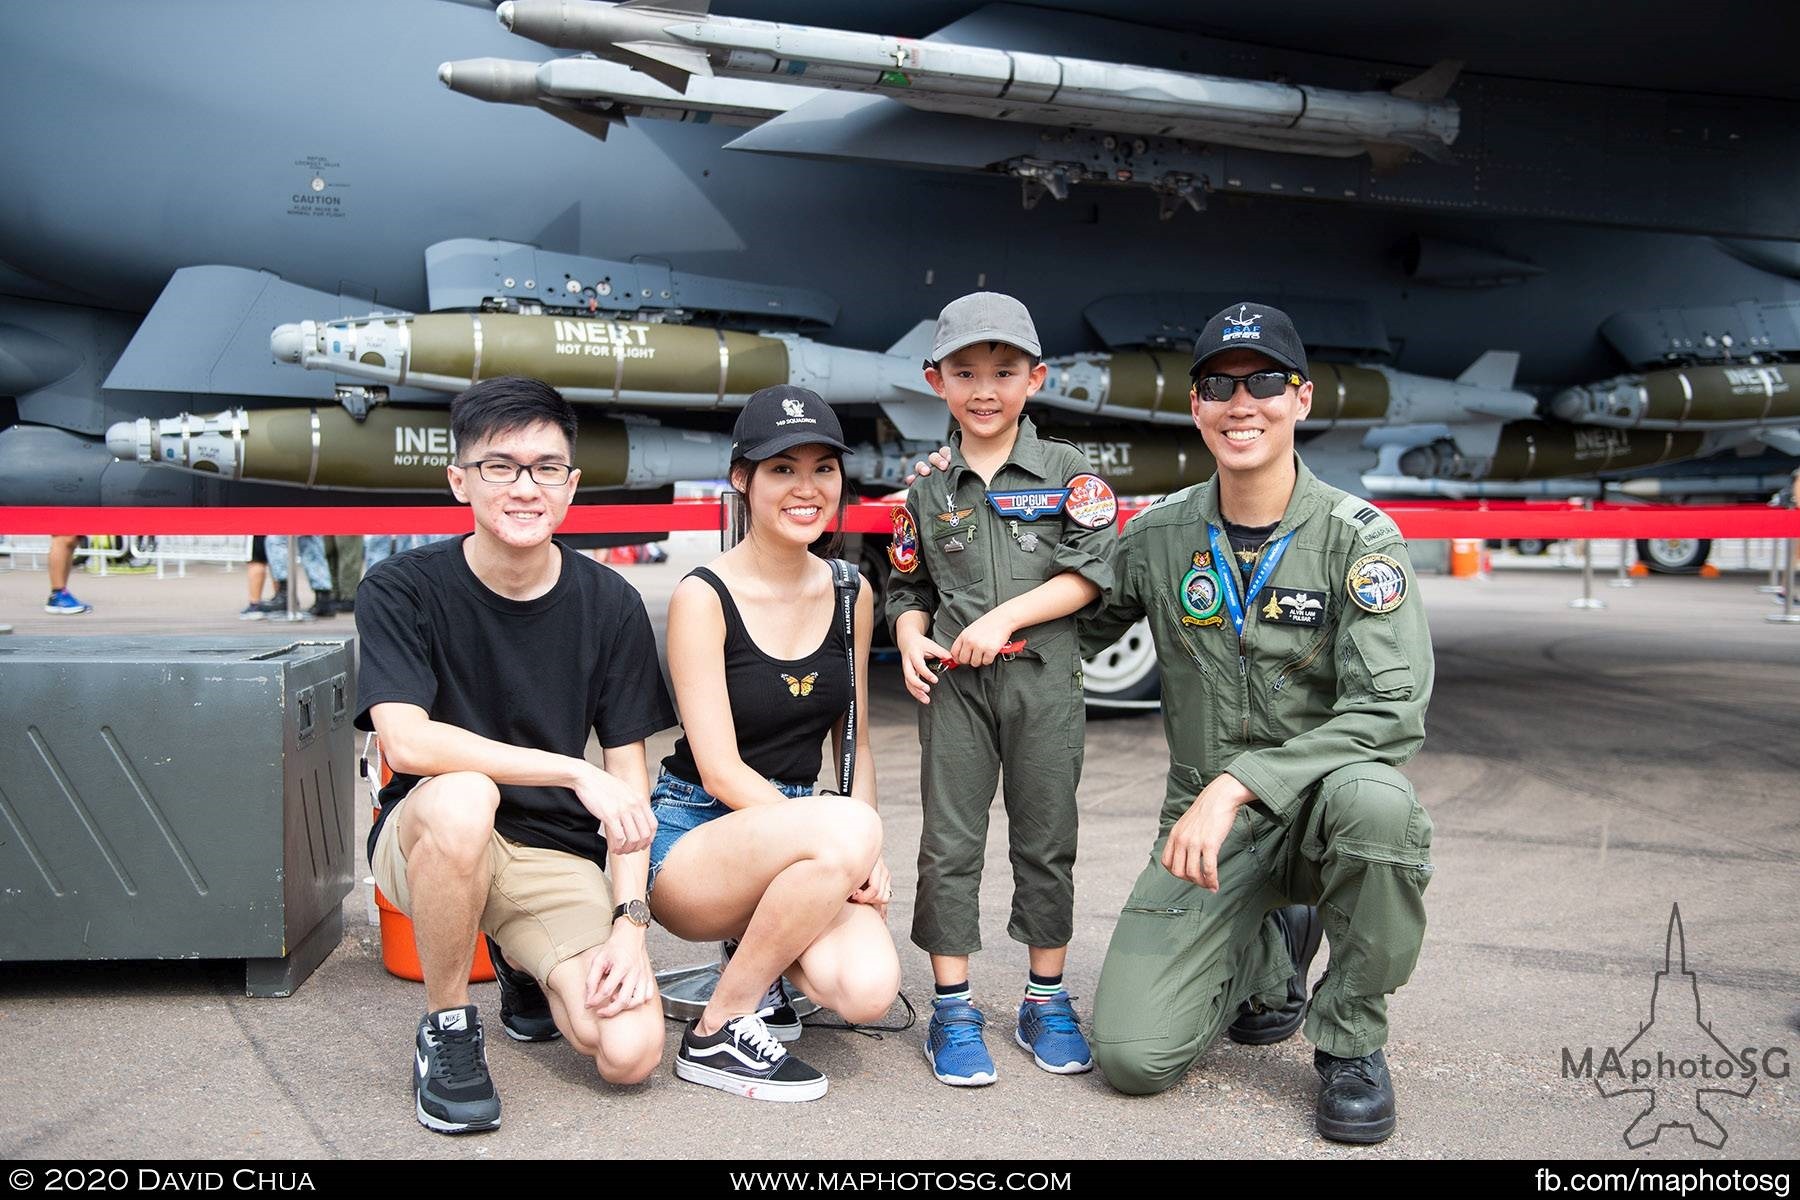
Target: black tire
<point x="1533" y="546"/>
<point x="1125" y="675"/>
<point x="1674" y="556"/>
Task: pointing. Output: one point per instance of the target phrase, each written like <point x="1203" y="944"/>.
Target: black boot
<point x="322" y="606"/>
<point x="1356" y="1100"/>
<point x="277" y="602"/>
<point x="1256" y="1026"/>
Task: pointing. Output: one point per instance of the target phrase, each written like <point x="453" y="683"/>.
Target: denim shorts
<point x="681" y="807"/>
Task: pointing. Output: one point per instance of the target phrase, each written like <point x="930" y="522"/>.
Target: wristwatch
<point x="635" y="911"/>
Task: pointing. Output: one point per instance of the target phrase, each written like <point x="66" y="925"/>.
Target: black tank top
<point x="782" y="709"/>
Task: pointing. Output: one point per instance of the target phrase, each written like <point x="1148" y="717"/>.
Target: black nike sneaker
<point x="452" y="1090"/>
<point x="744" y="1058"/>
<point x="524" y="1009"/>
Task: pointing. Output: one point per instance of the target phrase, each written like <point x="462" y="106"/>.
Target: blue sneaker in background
<point x="954" y="1046"/>
<point x="62" y="604"/>
<point x="1049" y="1030"/>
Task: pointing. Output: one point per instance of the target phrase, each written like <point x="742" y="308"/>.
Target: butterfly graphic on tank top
<point x="800" y="687"/>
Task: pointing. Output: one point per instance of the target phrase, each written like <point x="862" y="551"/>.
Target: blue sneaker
<point x="1050" y="1031"/>
<point x="64" y="605"/>
<point x="953" y="1044"/>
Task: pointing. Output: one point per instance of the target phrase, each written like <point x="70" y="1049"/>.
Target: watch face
<point x="636" y="911"/>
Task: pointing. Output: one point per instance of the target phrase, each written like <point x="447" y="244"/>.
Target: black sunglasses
<point x="1262" y="385"/>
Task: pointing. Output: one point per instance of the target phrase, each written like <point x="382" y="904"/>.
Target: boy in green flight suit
<point x="1005" y="545"/>
<point x="1296" y="669"/>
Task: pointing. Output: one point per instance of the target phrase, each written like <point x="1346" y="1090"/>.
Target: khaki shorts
<point x="544" y="907"/>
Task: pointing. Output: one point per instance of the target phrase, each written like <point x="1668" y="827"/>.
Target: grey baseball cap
<point x="984" y="317"/>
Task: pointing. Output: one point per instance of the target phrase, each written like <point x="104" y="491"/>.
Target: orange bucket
<point x="399" y="946"/>
<point x="1465" y="557"/>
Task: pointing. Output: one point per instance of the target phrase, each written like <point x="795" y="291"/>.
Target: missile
<point x="1548" y="450"/>
<point x="638" y="364"/>
<point x="394" y="448"/>
<point x="1733" y="397"/>
<point x="609" y="92"/>
<point x="1152" y="385"/>
<point x="1705" y="485"/>
<point x="677" y="41"/>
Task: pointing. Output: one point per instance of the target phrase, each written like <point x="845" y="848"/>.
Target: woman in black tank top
<point x="744" y="851"/>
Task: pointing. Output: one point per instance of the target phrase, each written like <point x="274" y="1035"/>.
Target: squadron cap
<point x="984" y="317"/>
<point x="1250" y="326"/>
<point x="781" y="417"/>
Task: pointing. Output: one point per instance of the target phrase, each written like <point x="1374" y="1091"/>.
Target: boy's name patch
<point x="1291" y="606"/>
<point x="1028" y="506"/>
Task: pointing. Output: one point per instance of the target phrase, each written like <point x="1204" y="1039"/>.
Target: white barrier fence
<point x="107" y="554"/>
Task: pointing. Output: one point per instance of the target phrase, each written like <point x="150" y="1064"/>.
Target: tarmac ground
<point x="1585" y="770"/>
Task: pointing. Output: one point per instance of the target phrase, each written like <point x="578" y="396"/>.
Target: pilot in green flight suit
<point x="1296" y="668"/>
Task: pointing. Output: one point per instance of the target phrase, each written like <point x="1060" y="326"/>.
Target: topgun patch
<point x="1028" y="506"/>
<point x="1291" y="606"/>
<point x="1376" y="583"/>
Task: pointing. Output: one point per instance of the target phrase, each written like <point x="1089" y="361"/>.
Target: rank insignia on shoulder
<point x="1376" y="583"/>
<point x="1092" y="503"/>
<point x="1028" y="506"/>
<point x="1292" y="606"/>
<point x="1200" y="596"/>
<point x="903" y="551"/>
<point x="1202" y="559"/>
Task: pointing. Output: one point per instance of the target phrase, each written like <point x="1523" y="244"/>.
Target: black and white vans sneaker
<point x="744" y="1058"/>
<point x="524" y="1010"/>
<point x="452" y="1090"/>
<point x="775" y="1009"/>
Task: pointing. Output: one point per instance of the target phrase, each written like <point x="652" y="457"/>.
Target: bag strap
<point x="848" y="582"/>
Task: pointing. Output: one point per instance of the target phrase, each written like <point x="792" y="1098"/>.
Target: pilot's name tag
<point x="1291" y="606"/>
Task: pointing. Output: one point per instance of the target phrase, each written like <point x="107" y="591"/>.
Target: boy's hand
<point x="917" y="653"/>
<point x="981" y="642"/>
<point x="623" y="814"/>
<point x="620" y="976"/>
<point x="940" y="458"/>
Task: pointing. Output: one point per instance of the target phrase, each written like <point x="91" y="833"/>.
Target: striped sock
<point x="954" y="991"/>
<point x="1039" y="988"/>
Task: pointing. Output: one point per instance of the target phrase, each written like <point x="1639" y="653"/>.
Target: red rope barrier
<point x="1449" y="519"/>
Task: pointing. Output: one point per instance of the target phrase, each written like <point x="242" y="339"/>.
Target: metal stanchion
<point x="293" y="612"/>
<point x="1623" y="579"/>
<point x="1773" y="587"/>
<point x="1787" y="615"/>
<point x="686" y="990"/>
<point x="1587" y="598"/>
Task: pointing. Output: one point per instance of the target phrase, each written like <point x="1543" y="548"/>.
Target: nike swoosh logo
<point x="418" y="1058"/>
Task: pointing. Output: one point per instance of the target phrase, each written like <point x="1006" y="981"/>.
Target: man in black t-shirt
<point x="485" y="662"/>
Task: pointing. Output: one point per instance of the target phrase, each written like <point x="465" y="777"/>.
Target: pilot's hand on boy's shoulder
<point x="940" y="458"/>
<point x="918" y="653"/>
<point x="981" y="641"/>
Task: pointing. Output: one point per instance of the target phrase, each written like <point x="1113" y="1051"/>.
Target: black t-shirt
<point x="1246" y="543"/>
<point x="781" y="709"/>
<point x="535" y="673"/>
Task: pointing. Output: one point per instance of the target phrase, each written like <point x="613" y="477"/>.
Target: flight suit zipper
<point x="1300" y="664"/>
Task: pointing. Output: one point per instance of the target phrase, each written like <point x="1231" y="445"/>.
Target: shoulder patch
<point x="1092" y="504"/>
<point x="1373" y="527"/>
<point x="903" y="551"/>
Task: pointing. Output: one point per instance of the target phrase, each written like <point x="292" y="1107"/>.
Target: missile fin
<point x="594" y="124"/>
<point x="1787" y="441"/>
<point x="1432" y="84"/>
<point x="916" y="344"/>
<point x="1496" y="369"/>
<point x="921" y="418"/>
<point x="671" y="66"/>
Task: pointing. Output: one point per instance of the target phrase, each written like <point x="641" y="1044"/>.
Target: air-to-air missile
<point x="677" y="40"/>
<point x="1722" y="397"/>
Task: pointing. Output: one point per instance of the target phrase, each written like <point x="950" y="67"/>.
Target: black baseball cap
<point x="1250" y="326"/>
<point x="781" y="417"/>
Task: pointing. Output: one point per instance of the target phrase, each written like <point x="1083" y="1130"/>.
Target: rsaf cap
<point x="984" y="317"/>
<point x="1250" y="326"/>
<point x="781" y="417"/>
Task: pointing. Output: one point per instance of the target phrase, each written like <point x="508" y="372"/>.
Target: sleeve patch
<point x="1092" y="503"/>
<point x="903" y="551"/>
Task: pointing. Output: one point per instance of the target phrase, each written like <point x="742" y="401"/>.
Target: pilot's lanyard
<point x="1228" y="573"/>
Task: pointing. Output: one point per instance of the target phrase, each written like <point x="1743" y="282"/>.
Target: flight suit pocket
<point x="1151" y="960"/>
<point x="958" y="559"/>
<point x="1384" y="668"/>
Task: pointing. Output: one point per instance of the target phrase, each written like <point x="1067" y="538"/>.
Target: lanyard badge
<point x="1228" y="576"/>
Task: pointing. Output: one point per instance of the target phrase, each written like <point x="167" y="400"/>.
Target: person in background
<point x="62" y="559"/>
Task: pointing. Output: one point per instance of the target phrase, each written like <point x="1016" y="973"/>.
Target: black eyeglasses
<point x="501" y="470"/>
<point x="1262" y="385"/>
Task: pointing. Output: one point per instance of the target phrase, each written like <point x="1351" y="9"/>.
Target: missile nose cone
<point x="124" y="438"/>
<point x="286" y="343"/>
<point x="444" y="73"/>
<point x="505" y="13"/>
